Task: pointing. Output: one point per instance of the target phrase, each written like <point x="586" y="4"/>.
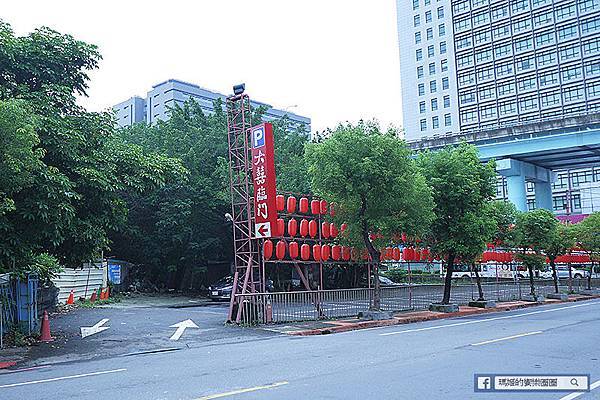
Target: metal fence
<point x="18" y="304"/>
<point x="281" y="307"/>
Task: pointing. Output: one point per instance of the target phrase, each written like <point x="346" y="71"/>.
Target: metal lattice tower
<point x="247" y="276"/>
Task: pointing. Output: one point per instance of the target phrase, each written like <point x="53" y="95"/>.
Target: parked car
<point x="563" y="272"/>
<point x="221" y="289"/>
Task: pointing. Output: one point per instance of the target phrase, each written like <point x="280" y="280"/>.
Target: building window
<point x="550" y="99"/>
<point x="434" y="104"/>
<point x="447" y="120"/>
<point x="589" y="26"/>
<point x="547" y="58"/>
<point x="442" y="30"/>
<point x="417" y="20"/>
<point x="420" y="71"/>
<point x="559" y="203"/>
<point x="576" y="201"/>
<point x="422" y="107"/>
<point x="429" y="33"/>
<point x="565" y="11"/>
<point x="530" y="204"/>
<point x="433" y="86"/>
<point x="417" y="37"/>
<point x="436" y="122"/>
<point x="446" y="101"/>
<point x="444" y="64"/>
<point x="523" y="44"/>
<point x="432" y="69"/>
<point x="440" y="12"/>
<point x="445" y="84"/>
<point x="423" y="125"/>
<point x="428" y="17"/>
<point x="415" y="4"/>
<point x="593" y="89"/>
<point x="430" y="51"/>
<point x="568" y="32"/>
<point x="442" y="47"/>
<point x="571" y="73"/>
<point x="421" y="89"/>
<point x="569" y="53"/>
<point x="419" y="54"/>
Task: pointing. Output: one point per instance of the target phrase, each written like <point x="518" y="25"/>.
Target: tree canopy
<point x="376" y="186"/>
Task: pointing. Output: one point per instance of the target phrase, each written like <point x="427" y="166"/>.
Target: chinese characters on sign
<point x="263" y="178"/>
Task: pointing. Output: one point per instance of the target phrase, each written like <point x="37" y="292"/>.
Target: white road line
<point x="62" y="378"/>
<point x="479" y="321"/>
<point x="575" y="395"/>
<point x="506" y="338"/>
<point x="239" y="391"/>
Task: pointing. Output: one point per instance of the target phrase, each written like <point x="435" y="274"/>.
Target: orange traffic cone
<point x="102" y="294"/>
<point x="71" y="298"/>
<point x="45" y="331"/>
<point x="94" y="296"/>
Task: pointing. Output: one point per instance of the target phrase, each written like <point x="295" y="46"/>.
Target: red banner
<point x="263" y="178"/>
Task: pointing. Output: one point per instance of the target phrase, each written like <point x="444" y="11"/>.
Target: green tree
<point x="376" y="186"/>
<point x="72" y="197"/>
<point x="462" y="187"/>
<point x="559" y="242"/>
<point x="532" y="233"/>
<point x="587" y="235"/>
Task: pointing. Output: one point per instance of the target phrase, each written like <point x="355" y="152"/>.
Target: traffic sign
<point x="263" y="179"/>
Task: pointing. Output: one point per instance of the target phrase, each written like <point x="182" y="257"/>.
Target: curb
<point x="400" y="320"/>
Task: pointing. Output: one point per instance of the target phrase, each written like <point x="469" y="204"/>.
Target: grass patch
<point x="88" y="304"/>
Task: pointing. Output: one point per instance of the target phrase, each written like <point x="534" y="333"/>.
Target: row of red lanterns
<point x="572" y="258"/>
<point x="317" y="252"/>
<point x="503" y="257"/>
<point x="308" y="228"/>
<point x="407" y="254"/>
<point x="292" y="204"/>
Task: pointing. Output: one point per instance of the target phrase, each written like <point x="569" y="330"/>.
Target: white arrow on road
<point x="91" y="330"/>
<point x="181" y="326"/>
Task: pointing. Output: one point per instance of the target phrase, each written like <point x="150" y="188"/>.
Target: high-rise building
<point x="427" y="68"/>
<point x="506" y="61"/>
<point x="168" y="94"/>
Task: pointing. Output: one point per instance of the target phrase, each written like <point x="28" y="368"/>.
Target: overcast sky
<point x="330" y="60"/>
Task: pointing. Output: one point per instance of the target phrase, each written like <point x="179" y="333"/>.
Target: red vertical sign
<point x="263" y="177"/>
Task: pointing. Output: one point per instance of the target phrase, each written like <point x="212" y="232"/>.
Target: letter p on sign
<point x="258" y="137"/>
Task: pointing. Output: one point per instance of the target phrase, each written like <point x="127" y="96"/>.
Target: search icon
<point x="574" y="382"/>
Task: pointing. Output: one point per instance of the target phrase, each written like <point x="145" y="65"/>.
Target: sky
<point x="330" y="60"/>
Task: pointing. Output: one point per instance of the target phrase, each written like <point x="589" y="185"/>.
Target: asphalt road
<point x="430" y="360"/>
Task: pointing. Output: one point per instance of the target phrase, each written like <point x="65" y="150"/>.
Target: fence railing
<point x="281" y="307"/>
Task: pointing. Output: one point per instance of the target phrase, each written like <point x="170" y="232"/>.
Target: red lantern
<point x="268" y="249"/>
<point x="305" y="251"/>
<point x="323" y="207"/>
<point x="333" y="231"/>
<point x="312" y="228"/>
<point x="325" y="252"/>
<point x="280" y="227"/>
<point x="336" y="252"/>
<point x="411" y="254"/>
<point x="304" y="228"/>
<point x="343" y="227"/>
<point x="303" y="205"/>
<point x="317" y="252"/>
<point x="417" y="255"/>
<point x="293" y="246"/>
<point x="405" y="254"/>
<point x="396" y="254"/>
<point x="325" y="230"/>
<point x="315" y="207"/>
<point x="425" y="254"/>
<point x="280" y="250"/>
<point x="291" y="204"/>
<point x="346" y="253"/>
<point x="280" y="202"/>
<point x="403" y="237"/>
<point x="292" y="227"/>
<point x="389" y="253"/>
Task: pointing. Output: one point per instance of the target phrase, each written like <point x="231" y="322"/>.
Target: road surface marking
<point x="181" y="327"/>
<point x="575" y="395"/>
<point x="240" y="391"/>
<point x="92" y="330"/>
<point x="62" y="378"/>
<point x="429" y="328"/>
<point x="506" y="338"/>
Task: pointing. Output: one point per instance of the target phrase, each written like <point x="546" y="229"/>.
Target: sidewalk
<point x="336" y="326"/>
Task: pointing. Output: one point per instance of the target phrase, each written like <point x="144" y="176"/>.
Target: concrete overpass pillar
<point x="516" y="173"/>
<point x="543" y="195"/>
<point x="515" y="184"/>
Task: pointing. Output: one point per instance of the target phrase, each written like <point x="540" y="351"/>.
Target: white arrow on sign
<point x="91" y="330"/>
<point x="181" y="326"/>
<point x="262" y="230"/>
